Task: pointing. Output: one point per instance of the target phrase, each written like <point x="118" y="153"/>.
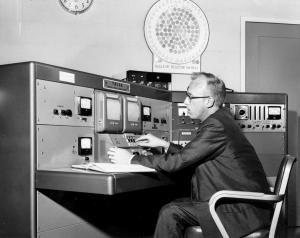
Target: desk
<point x="85" y="181"/>
<point x="83" y="203"/>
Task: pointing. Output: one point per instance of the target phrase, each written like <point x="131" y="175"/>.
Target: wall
<point x="109" y="39"/>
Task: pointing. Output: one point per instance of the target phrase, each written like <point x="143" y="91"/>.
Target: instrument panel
<point x="260" y="117"/>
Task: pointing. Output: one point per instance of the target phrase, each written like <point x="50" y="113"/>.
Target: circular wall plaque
<point x="176" y="30"/>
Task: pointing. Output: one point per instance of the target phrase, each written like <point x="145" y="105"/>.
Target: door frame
<point x="244" y="20"/>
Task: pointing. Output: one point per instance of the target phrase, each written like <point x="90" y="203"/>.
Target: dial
<point x="76" y="6"/>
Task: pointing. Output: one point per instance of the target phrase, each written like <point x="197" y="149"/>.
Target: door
<point x="272" y="64"/>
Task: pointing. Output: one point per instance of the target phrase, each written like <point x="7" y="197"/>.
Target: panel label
<point x="116" y="85"/>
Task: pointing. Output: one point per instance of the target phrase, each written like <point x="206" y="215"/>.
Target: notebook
<point x="113" y="168"/>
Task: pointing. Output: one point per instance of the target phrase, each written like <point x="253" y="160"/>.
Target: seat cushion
<point x="193" y="232"/>
<point x="196" y="232"/>
<point x="258" y="234"/>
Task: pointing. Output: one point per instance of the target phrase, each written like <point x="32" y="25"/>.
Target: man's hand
<point x="150" y="140"/>
<point x="119" y="156"/>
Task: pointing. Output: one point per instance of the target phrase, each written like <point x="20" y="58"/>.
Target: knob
<point x="242" y="112"/>
<point x="163" y="121"/>
<point x="63" y="112"/>
<point x="69" y="112"/>
<point x="155" y="120"/>
<point x="55" y="111"/>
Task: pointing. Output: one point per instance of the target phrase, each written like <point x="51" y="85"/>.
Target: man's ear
<point x="210" y="102"/>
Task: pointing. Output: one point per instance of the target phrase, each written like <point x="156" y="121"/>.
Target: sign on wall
<point x="177" y="33"/>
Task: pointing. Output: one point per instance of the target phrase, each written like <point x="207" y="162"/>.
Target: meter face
<point x="85" y="106"/>
<point x="86" y="103"/>
<point x="85" y="145"/>
<point x="274" y="112"/>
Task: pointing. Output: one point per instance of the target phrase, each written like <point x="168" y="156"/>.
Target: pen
<point x="142" y="139"/>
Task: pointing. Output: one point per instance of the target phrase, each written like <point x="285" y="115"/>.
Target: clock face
<point x="76" y="6"/>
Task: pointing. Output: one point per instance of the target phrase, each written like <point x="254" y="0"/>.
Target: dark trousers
<point x="176" y="216"/>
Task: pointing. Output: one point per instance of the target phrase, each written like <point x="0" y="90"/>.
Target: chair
<point x="277" y="198"/>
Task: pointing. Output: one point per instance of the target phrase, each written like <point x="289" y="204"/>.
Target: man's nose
<point x="186" y="101"/>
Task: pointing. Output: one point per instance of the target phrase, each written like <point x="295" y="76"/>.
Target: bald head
<point x="213" y="86"/>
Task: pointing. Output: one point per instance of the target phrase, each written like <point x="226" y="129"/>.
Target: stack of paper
<point x="113" y="168"/>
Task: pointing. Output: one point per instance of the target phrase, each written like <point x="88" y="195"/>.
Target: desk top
<point x="76" y="180"/>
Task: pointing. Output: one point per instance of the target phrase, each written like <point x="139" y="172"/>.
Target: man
<point x="220" y="157"/>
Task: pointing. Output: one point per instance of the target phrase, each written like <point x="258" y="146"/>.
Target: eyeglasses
<point x="191" y="97"/>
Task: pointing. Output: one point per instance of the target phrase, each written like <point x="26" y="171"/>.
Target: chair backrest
<point x="283" y="174"/>
<point x="282" y="179"/>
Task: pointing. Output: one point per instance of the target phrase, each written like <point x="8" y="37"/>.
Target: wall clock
<point x="76" y="6"/>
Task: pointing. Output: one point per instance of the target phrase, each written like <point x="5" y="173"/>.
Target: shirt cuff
<point x="131" y="159"/>
<point x="166" y="147"/>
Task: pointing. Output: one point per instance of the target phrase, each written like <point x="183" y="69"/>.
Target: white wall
<point x="109" y="38"/>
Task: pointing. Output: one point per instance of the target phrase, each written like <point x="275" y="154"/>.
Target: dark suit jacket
<point x="222" y="159"/>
